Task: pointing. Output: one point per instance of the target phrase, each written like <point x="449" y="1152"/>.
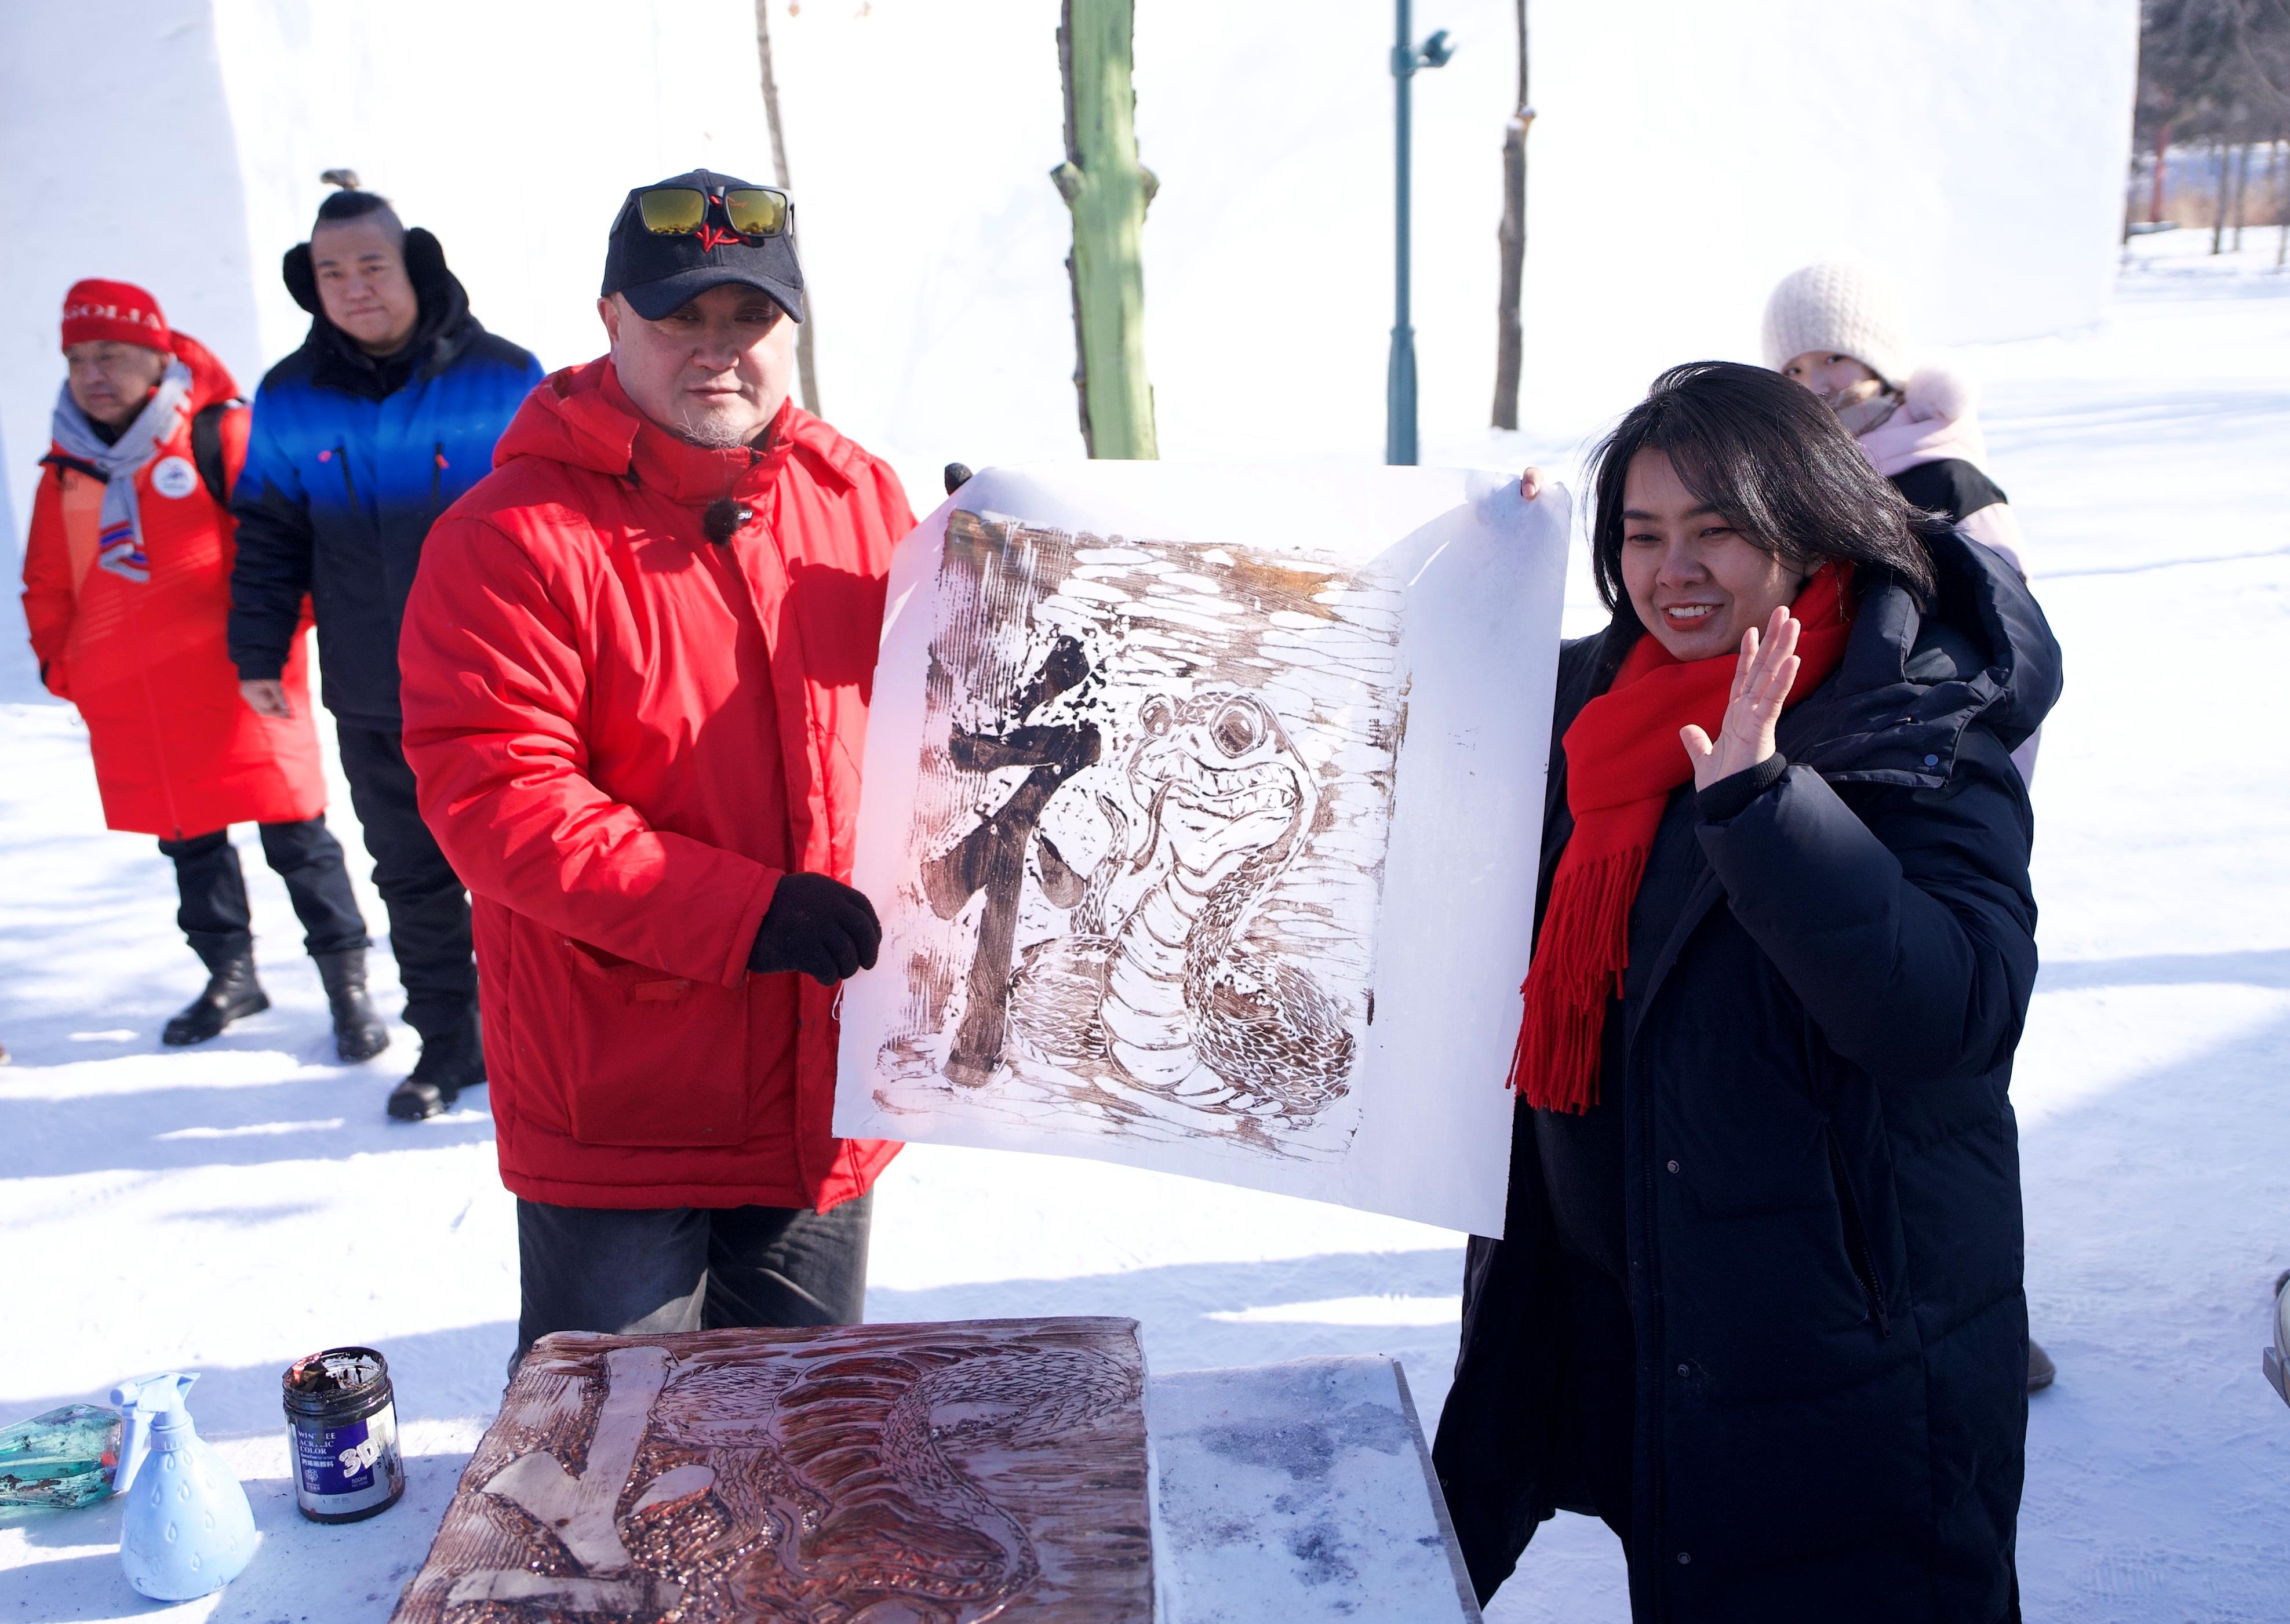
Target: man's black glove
<point x="818" y="926"/>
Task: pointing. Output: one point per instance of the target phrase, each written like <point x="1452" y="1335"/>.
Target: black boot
<point x="450" y="1062"/>
<point x="359" y="1033"/>
<point x="232" y="991"/>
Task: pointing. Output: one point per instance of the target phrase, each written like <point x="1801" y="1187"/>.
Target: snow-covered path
<point x="229" y="1208"/>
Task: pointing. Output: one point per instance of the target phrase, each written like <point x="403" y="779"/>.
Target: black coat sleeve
<point x="1905" y="922"/>
<point x="271" y="574"/>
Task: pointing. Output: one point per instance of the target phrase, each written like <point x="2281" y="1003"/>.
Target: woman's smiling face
<point x="1696" y="582"/>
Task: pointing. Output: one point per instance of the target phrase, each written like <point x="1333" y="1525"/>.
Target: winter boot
<point x="232" y="991"/>
<point x="450" y="1062"/>
<point x="2041" y="1372"/>
<point x="359" y="1033"/>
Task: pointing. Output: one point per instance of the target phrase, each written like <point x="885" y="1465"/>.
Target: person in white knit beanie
<point x="1840" y="328"/>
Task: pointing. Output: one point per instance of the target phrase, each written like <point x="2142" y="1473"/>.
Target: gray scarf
<point x="119" y="546"/>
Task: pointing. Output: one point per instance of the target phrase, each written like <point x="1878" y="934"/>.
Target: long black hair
<point x="1766" y="454"/>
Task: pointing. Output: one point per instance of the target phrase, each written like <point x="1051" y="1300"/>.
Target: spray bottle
<point x="189" y="1530"/>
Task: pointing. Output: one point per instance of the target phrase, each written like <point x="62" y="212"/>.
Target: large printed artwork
<point x="1201" y="827"/>
<point x="1153" y="796"/>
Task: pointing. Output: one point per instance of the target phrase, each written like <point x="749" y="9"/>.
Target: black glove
<point x="819" y="926"/>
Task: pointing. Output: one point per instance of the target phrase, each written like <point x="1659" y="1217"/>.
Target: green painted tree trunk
<point x="1107" y="191"/>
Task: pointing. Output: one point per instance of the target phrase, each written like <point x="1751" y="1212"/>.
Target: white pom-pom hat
<point x="1842" y="306"/>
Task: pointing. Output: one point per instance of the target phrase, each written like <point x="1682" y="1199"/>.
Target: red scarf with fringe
<point x="1623" y="758"/>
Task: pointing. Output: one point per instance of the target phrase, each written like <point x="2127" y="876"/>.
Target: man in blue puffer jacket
<point x="360" y="439"/>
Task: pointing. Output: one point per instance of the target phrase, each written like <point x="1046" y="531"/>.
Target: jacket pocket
<point x="340" y="456"/>
<point x="1857" y="1251"/>
<point x="642" y="1057"/>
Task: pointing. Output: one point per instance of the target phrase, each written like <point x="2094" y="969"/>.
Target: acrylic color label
<point x="346" y="1467"/>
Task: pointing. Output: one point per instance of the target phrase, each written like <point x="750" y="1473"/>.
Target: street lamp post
<point x="1400" y="387"/>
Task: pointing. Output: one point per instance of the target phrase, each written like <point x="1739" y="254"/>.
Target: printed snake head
<point x="1219" y="777"/>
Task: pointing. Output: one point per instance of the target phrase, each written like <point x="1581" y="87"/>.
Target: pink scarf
<point x="1938" y="418"/>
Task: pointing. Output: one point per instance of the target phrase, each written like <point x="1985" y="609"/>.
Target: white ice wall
<point x="116" y="161"/>
<point x="1688" y="153"/>
<point x="1691" y="152"/>
<point x="510" y="128"/>
<point x="185" y="155"/>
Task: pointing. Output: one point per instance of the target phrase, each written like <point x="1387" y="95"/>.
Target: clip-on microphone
<point x="723" y="517"/>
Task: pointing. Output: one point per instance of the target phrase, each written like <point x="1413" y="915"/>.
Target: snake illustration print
<point x="1141" y="881"/>
<point x="1174" y="999"/>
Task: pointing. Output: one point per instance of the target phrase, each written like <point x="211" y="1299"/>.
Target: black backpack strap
<point x="206" y="449"/>
<point x="59" y="461"/>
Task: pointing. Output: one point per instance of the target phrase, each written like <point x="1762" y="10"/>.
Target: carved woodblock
<point x="941" y="1473"/>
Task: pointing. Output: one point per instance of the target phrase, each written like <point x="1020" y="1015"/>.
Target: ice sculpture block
<point x="1202" y="808"/>
<point x="958" y="1472"/>
<point x="1302" y="1492"/>
<point x="59" y="1458"/>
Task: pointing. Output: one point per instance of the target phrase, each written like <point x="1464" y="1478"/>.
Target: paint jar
<point x="342" y="1434"/>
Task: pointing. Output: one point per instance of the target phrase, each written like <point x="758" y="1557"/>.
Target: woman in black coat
<point x="1758" y="1303"/>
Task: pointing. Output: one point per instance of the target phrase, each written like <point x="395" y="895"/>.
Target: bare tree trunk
<point x="2241" y="192"/>
<point x="2281" y="214"/>
<point x="806" y="366"/>
<point x="2162" y="158"/>
<point x="2218" y="197"/>
<point x="1511" y="239"/>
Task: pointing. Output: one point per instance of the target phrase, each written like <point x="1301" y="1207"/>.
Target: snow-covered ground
<point x="227" y="1209"/>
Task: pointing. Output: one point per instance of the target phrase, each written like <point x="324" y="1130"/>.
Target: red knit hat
<point x="120" y="311"/>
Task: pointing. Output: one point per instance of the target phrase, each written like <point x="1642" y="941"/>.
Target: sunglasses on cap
<point x="682" y="210"/>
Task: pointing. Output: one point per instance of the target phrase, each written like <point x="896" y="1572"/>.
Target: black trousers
<point x="689" y="1268"/>
<point x="212" y="887"/>
<point x="428" y="909"/>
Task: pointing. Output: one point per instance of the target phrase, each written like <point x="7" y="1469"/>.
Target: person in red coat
<point x="126" y="591"/>
<point x="635" y="672"/>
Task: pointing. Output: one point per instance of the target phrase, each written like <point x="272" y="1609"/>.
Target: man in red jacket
<point x="126" y="590"/>
<point x="636" y="669"/>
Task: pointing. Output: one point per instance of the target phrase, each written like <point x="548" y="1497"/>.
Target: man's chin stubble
<point x="712" y="433"/>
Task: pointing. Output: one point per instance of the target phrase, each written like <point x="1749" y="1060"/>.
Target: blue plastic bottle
<point x="189" y="1530"/>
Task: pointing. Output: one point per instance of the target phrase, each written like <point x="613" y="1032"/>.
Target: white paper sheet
<point x="1201" y="807"/>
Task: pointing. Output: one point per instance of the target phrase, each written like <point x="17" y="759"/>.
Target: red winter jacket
<point x="177" y="751"/>
<point x="587" y="683"/>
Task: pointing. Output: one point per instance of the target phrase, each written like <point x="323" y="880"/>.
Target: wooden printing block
<point x="935" y="1474"/>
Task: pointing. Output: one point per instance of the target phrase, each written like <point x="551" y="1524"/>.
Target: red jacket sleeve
<point x="49" y="597"/>
<point x="494" y="688"/>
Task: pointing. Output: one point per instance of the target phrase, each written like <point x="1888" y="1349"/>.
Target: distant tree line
<point x="2214" y="72"/>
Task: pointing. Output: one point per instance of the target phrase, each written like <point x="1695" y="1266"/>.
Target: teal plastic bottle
<point x="66" y="1457"/>
<point x="187" y="1530"/>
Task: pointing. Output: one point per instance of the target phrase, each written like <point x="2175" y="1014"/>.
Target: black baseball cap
<point x="659" y="275"/>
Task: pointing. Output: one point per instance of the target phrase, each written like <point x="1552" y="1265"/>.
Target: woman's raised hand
<point x="1762" y="678"/>
<point x="1530" y="484"/>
